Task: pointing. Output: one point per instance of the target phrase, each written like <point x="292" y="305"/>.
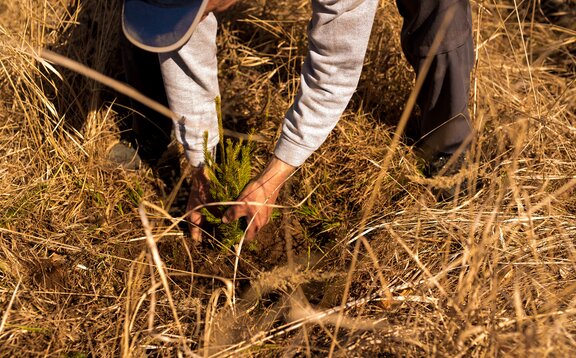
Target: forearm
<point x="338" y="38"/>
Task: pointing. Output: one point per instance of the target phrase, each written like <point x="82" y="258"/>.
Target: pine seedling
<point x="227" y="179"/>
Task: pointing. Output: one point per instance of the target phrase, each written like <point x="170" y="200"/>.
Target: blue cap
<point x="161" y="25"/>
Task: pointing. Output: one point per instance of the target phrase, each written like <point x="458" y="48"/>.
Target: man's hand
<point x="218" y="5"/>
<point x="265" y="190"/>
<point x="199" y="195"/>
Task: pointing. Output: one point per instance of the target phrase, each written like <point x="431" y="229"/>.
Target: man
<point x="338" y="37"/>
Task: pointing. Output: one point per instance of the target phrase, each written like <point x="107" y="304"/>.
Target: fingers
<point x="195" y="231"/>
<point x="199" y="194"/>
<point x="251" y="231"/>
<point x="235" y="212"/>
<point x="256" y="216"/>
<point x="195" y="219"/>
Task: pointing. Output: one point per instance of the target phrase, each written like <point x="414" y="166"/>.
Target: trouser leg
<point x="151" y="129"/>
<point x="443" y="99"/>
<point x="191" y="81"/>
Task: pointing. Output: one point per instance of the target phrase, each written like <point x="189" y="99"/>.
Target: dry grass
<point x="84" y="273"/>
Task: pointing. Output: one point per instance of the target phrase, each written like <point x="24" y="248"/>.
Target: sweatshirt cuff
<point x="290" y="152"/>
<point x="196" y="157"/>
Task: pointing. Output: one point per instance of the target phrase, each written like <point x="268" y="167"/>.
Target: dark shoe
<point x="449" y="180"/>
<point x="122" y="155"/>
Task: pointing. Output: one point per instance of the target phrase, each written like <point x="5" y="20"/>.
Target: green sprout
<point x="227" y="179"/>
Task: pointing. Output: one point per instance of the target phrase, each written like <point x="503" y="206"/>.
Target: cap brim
<point x="160" y="29"/>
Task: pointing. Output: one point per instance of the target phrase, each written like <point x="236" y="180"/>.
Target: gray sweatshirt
<point x="338" y="35"/>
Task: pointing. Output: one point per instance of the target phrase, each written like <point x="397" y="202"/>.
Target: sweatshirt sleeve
<point x="191" y="81"/>
<point x="338" y="35"/>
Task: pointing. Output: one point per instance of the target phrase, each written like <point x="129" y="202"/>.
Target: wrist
<point x="275" y="174"/>
<point x="278" y="169"/>
<point x="198" y="174"/>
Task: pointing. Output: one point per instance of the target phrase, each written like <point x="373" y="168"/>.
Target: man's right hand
<point x="218" y="5"/>
<point x="199" y="195"/>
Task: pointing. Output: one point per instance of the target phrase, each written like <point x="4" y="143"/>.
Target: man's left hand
<point x="264" y="191"/>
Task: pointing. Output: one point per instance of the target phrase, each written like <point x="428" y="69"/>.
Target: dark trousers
<point x="443" y="99"/>
<point x="151" y="130"/>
